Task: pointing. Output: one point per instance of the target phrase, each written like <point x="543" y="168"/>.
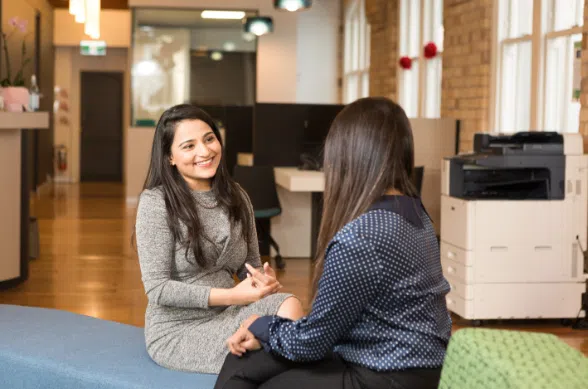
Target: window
<point x="179" y="57"/>
<point x="537" y="46"/>
<point x="421" y="22"/>
<point x="561" y="110"/>
<point x="356" y="77"/>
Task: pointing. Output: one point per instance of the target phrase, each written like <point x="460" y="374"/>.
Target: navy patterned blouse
<point x="381" y="298"/>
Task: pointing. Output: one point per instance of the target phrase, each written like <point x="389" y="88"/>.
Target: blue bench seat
<point x="48" y="348"/>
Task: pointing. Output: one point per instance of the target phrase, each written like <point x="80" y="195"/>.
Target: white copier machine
<point x="513" y="226"/>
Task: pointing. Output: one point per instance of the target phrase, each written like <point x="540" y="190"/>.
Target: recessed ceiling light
<point x="229" y="46"/>
<point x="216" y="56"/>
<point x="208" y="14"/>
<point x="248" y="37"/>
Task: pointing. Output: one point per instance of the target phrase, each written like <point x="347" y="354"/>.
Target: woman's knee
<point x="291" y="309"/>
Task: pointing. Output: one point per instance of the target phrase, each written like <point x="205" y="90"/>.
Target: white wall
<point x="317" y="53"/>
<point x="115" y="28"/>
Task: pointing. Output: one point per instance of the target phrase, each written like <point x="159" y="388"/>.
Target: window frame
<point x="419" y="61"/>
<point x="356" y="53"/>
<point x="542" y="33"/>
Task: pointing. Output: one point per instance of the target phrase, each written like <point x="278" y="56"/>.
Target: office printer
<point x="513" y="226"/>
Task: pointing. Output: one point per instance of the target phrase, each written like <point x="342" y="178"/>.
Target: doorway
<point x="101" y="126"/>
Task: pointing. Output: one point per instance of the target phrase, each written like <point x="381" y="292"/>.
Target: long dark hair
<point x="369" y="149"/>
<point x="179" y="201"/>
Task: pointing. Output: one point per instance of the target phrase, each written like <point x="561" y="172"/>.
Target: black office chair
<point x="260" y="184"/>
<point x="417" y="178"/>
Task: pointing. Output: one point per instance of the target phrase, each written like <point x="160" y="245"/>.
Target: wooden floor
<point x="87" y="264"/>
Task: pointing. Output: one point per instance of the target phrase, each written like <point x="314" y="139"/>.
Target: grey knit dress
<point x="181" y="331"/>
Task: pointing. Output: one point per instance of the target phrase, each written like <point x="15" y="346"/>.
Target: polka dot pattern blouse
<point x="381" y="298"/>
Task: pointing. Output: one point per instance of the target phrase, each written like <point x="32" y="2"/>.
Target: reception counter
<point x="14" y="195"/>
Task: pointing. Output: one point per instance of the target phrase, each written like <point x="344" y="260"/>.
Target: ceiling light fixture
<point x="92" y="27"/>
<point x="229" y="46"/>
<point x="78" y="9"/>
<point x="292" y="5"/>
<point x="216" y="55"/>
<point x="236" y="15"/>
<point x="258" y="25"/>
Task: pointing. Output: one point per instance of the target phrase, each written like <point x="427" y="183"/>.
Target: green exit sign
<point x="93" y="48"/>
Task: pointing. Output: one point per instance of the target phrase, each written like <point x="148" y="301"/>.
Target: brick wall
<point x="584" y="86"/>
<point x="466" y="80"/>
<point x="382" y="15"/>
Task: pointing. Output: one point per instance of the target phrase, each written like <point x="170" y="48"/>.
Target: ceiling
<point x="105" y="4"/>
<point x="183" y="18"/>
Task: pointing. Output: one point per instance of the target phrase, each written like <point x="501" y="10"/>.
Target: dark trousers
<point x="258" y="369"/>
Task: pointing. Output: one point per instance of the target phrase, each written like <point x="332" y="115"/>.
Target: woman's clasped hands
<point x="257" y="285"/>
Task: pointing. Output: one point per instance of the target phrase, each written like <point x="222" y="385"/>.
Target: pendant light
<point x="258" y="25"/>
<point x="292" y="5"/>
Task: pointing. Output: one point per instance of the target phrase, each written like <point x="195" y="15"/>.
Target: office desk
<point x="300" y="194"/>
<point x="14" y="196"/>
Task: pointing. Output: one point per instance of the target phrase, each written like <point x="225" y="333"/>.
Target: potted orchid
<point x="14" y="92"/>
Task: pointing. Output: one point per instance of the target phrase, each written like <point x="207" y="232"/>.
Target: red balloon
<point x="405" y="62"/>
<point x="430" y="50"/>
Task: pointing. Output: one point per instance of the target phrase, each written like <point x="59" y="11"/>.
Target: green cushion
<point x="267" y="213"/>
<point x="485" y="358"/>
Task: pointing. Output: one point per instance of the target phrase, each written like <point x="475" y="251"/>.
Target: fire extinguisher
<point x="61" y="158"/>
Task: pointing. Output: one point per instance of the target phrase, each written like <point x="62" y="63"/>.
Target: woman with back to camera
<point x="195" y="229"/>
<point x="379" y="317"/>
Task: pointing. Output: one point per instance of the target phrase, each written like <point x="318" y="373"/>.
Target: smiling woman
<point x="194" y="232"/>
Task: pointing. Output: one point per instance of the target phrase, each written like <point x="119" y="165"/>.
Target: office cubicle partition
<point x="238" y="124"/>
<point x="434" y="139"/>
<point x="282" y="133"/>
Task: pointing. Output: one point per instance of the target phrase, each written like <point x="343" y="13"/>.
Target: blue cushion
<point x="47" y="348"/>
<point x="267" y="213"/>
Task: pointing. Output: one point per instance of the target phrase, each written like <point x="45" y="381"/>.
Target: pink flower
<point x="22" y="25"/>
<point x="19" y="23"/>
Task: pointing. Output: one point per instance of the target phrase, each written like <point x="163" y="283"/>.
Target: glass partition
<point x="190" y="56"/>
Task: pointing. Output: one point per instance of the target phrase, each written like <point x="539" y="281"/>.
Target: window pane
<point x="368" y="45"/>
<point x="432" y="101"/>
<point x="520" y="19"/>
<point x="354" y="44"/>
<point x="428" y="21"/>
<point x="361" y="38"/>
<point x="515" y="93"/>
<point x="562" y="106"/>
<point x="565" y="14"/>
<point x="433" y="23"/>
<point x="365" y="84"/>
<point x="351" y="89"/>
<point x="348" y="53"/>
<point x="438" y="30"/>
<point x="404" y="33"/>
<point x="409" y="89"/>
<point x="414" y="43"/>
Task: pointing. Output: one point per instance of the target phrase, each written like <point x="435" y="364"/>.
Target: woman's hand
<point x="242" y="341"/>
<point x="249" y="291"/>
<point x="266" y="278"/>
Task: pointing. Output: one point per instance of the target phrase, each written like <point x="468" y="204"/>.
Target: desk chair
<point x="260" y="184"/>
<point x="417" y="178"/>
